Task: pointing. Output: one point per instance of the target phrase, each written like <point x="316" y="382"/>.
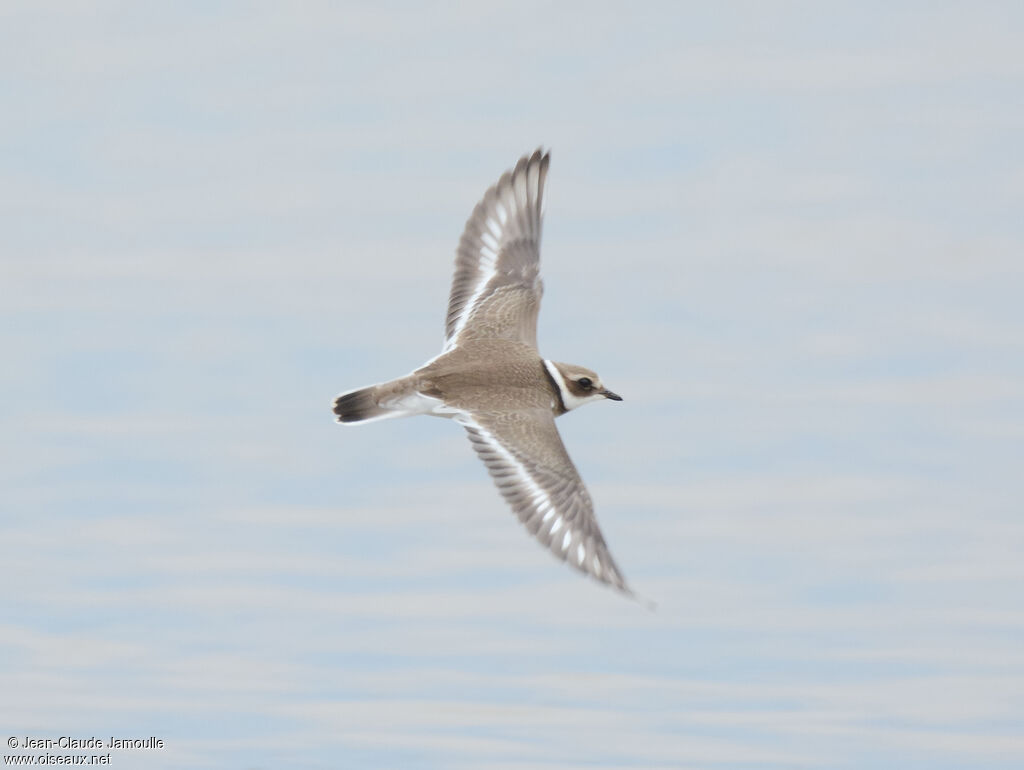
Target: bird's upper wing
<point x="529" y="464"/>
<point x="496" y="290"/>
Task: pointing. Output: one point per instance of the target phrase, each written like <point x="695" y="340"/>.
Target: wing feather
<point x="496" y="289"/>
<point x="528" y="462"/>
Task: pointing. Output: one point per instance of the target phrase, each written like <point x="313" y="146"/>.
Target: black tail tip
<point x="357" y="406"/>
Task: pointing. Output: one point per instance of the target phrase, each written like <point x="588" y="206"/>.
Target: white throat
<point x="570" y="400"/>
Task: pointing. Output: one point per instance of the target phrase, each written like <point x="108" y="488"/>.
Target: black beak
<point x="613" y="396"/>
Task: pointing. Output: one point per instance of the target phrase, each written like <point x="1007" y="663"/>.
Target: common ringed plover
<point x="491" y="379"/>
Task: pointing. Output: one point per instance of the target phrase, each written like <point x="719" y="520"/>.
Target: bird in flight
<point x="491" y="379"/>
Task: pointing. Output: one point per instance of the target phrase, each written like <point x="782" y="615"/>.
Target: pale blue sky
<point x="788" y="233"/>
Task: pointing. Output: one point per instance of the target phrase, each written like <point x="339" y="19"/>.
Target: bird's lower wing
<point x="528" y="462"/>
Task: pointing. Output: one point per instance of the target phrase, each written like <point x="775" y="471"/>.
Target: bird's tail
<point x="361" y="406"/>
<point x="397" y="398"/>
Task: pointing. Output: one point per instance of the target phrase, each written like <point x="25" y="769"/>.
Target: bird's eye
<point x="585" y="383"/>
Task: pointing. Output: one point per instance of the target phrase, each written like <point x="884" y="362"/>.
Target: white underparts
<point x="413" y="403"/>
